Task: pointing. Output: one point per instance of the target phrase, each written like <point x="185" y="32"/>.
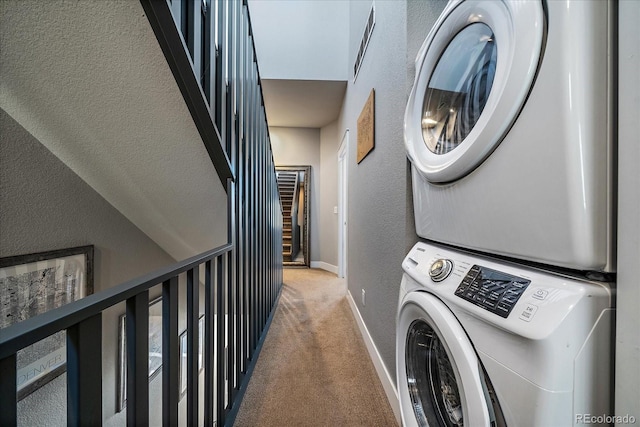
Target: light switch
<point x="335" y="209"/>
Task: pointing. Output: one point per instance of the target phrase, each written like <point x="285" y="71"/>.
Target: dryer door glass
<point x="458" y="88"/>
<point x="431" y="378"/>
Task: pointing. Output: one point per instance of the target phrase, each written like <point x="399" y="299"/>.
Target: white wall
<point x="301" y="40"/>
<point x="299" y="147"/>
<point x="627" y="387"/>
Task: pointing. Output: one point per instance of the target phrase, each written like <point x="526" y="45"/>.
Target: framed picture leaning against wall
<point x="36" y="283"/>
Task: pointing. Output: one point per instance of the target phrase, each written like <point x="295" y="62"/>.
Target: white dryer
<point x="482" y="342"/>
<point x="509" y="131"/>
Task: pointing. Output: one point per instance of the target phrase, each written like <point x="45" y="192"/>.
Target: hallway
<point x="314" y="369"/>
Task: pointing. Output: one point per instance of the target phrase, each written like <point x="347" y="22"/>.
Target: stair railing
<point x="295" y="231"/>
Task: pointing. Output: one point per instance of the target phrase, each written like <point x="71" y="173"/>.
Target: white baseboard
<point x="325" y="266"/>
<point x="381" y="369"/>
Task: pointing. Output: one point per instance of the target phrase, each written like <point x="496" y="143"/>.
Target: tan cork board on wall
<point x="366" y="127"/>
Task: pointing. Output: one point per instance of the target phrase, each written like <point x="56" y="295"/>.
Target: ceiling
<point x="302" y="103"/>
<point x="89" y="81"/>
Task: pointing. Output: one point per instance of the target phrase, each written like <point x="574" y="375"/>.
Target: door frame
<point x="343" y="193"/>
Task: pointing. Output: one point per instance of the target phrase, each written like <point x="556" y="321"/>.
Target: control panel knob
<point x="440" y="269"/>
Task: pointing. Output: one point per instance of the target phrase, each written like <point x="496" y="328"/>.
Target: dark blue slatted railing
<point x="210" y="50"/>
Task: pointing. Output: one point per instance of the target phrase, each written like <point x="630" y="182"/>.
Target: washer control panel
<point x="492" y="290"/>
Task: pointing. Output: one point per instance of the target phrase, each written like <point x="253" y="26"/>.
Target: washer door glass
<point x="458" y="88"/>
<point x="432" y="382"/>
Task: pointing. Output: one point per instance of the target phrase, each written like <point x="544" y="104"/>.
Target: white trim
<point x="343" y="190"/>
<point x="381" y="369"/>
<point x="325" y="266"/>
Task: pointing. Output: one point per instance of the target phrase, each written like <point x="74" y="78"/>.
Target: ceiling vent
<point x="364" y="42"/>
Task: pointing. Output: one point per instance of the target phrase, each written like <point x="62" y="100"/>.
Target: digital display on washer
<point x="492" y="290"/>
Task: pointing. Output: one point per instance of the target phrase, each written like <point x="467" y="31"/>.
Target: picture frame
<point x="33" y="284"/>
<point x="183" y="355"/>
<point x="201" y="343"/>
<point x="183" y="363"/>
<point x="155" y="349"/>
<point x="366" y="132"/>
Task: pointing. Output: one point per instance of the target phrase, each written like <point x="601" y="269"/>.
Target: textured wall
<point x="90" y="82"/>
<point x="45" y="206"/>
<point x="299" y="147"/>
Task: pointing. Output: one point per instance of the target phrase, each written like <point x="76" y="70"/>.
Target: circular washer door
<point x="440" y="379"/>
<point x="473" y="75"/>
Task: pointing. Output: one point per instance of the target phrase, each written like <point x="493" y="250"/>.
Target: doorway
<point x="294" y="189"/>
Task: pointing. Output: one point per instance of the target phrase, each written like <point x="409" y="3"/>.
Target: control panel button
<point x="528" y="312"/>
<point x="440" y="269"/>
<point x="540" y="294"/>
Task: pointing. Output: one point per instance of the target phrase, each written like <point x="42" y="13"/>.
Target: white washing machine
<point x="482" y="342"/>
<point x="509" y="128"/>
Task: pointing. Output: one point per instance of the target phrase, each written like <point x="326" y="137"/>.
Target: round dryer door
<point x="473" y="75"/>
<point x="440" y="379"/>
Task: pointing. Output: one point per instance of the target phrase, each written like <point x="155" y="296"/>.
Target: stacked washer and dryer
<point x="506" y="309"/>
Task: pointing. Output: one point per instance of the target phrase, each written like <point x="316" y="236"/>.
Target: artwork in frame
<point x="36" y="283"/>
<point x="201" y="343"/>
<point x="183" y="355"/>
<point x="366" y="127"/>
<point x="183" y="363"/>
<point x="155" y="349"/>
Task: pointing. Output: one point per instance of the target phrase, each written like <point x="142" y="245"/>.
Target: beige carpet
<point x="314" y="369"/>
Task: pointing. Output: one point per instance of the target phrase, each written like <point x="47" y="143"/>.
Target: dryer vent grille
<point x="364" y="42"/>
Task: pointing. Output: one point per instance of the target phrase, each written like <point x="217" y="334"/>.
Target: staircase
<point x="288" y="188"/>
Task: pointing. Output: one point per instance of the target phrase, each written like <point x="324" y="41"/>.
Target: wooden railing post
<point x="137" y="327"/>
<point x="84" y="372"/>
<point x="208" y="352"/>
<point x="8" y="394"/>
<point x="170" y="353"/>
<point x="220" y="341"/>
<point x="193" y="310"/>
